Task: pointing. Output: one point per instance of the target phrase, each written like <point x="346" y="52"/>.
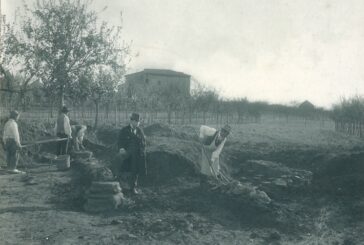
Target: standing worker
<point x="213" y="142"/>
<point x="131" y="143"/>
<point x="63" y="130"/>
<point x="12" y="144"/>
<point x="78" y="133"/>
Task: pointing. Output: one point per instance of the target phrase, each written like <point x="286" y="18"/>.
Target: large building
<point x="157" y="82"/>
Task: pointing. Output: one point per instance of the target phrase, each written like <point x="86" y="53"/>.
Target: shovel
<point x="223" y="179"/>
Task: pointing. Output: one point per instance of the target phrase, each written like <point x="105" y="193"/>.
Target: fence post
<point x="116" y="112"/>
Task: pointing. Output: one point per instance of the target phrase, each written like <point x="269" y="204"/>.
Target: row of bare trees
<point x="204" y="105"/>
<point x="349" y="116"/>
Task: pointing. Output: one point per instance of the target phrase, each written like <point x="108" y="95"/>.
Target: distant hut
<point x="307" y="110"/>
<point x="306" y="106"/>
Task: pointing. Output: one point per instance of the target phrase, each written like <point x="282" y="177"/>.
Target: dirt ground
<point x="313" y="176"/>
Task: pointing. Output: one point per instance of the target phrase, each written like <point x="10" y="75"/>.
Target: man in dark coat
<point x="132" y="143"/>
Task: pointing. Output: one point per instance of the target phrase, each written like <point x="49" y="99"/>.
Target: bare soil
<point x="313" y="176"/>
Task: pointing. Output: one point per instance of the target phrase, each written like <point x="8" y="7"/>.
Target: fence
<point x="355" y="128"/>
<point x="119" y="117"/>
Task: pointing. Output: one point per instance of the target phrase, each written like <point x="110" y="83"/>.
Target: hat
<point x="64" y="109"/>
<point x="226" y="128"/>
<point x="14" y="114"/>
<point x="135" y="117"/>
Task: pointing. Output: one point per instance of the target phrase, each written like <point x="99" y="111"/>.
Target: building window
<point x="159" y="82"/>
<point x="146" y="80"/>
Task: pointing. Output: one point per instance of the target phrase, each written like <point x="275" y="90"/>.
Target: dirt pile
<point x="30" y="132"/>
<point x="251" y="206"/>
<point x="105" y="135"/>
<point x="169" y="158"/>
<point x="274" y="178"/>
<point x="170" y="153"/>
<point x="162" y="130"/>
<point x="92" y="170"/>
<point x="341" y="174"/>
<point x="2" y="155"/>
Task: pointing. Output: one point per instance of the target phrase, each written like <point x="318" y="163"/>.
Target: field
<point x="312" y="175"/>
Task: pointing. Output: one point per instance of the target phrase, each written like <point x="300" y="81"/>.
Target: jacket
<point x="134" y="145"/>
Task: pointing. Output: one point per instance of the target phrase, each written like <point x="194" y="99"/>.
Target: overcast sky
<point x="273" y="50"/>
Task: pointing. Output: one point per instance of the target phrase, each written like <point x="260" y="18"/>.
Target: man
<point x="131" y="143"/>
<point x="78" y="133"/>
<point x="213" y="142"/>
<point x="12" y="144"/>
<point x="63" y="130"/>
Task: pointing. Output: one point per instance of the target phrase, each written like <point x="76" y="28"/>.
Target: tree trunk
<point x="19" y="100"/>
<point x="169" y="115"/>
<point x="107" y="109"/>
<point x="62" y="97"/>
<point x="116" y="114"/>
<point x="183" y="116"/>
<point x="83" y="110"/>
<point x="97" y="113"/>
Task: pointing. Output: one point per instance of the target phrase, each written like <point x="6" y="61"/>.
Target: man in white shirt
<point x="213" y="142"/>
<point x="11" y="141"/>
<point x="63" y="130"/>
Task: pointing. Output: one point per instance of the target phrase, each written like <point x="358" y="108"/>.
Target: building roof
<point x="162" y="72"/>
<point x="306" y="105"/>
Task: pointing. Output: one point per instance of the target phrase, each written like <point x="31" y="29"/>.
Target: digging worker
<point x="63" y="130"/>
<point x="11" y="142"/>
<point x="131" y="144"/>
<point x="212" y="144"/>
<point x="78" y="133"/>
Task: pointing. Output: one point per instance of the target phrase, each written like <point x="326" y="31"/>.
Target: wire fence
<point x="119" y="117"/>
<point x="355" y="128"/>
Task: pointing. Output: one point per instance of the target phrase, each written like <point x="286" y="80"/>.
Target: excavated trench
<point x="299" y="180"/>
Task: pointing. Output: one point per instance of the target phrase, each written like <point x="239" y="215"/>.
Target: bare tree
<point x="60" y="40"/>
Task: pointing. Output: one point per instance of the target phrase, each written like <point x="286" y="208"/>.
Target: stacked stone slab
<point x="87" y="155"/>
<point x="104" y="197"/>
<point x="62" y="162"/>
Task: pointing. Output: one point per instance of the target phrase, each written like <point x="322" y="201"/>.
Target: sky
<point x="277" y="51"/>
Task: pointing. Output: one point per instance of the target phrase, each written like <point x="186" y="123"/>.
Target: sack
<point x="207" y="140"/>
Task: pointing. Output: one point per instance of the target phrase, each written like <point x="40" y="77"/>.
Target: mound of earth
<point x="106" y="135"/>
<point x="170" y="158"/>
<point x="170" y="153"/>
<point x="2" y="155"/>
<point x="341" y="173"/>
<point x="274" y="178"/>
<point x="163" y="130"/>
<point x="167" y="159"/>
<point x="30" y="132"/>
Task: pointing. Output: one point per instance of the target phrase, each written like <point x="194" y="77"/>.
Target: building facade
<point x="157" y="82"/>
